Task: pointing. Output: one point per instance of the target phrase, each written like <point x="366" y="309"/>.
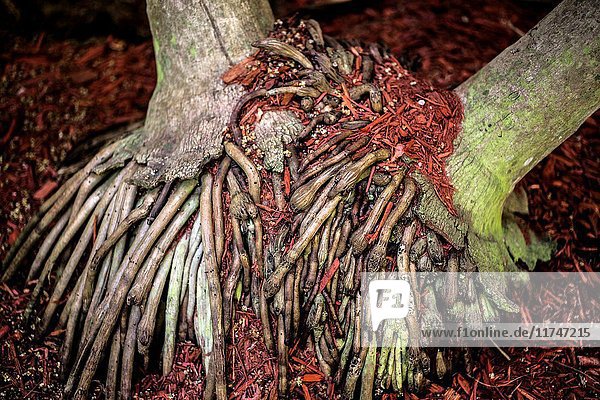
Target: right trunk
<point x="518" y="108"/>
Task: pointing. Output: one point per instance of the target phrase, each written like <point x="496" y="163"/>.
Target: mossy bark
<point x="517" y="109"/>
<point x="195" y="42"/>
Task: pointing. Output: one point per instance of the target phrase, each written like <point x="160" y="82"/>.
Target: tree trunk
<point x="521" y="106"/>
<point x="195" y="42"/>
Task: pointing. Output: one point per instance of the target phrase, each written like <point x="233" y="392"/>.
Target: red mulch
<point x="418" y="119"/>
<point x="185" y="381"/>
<point x="53" y="93"/>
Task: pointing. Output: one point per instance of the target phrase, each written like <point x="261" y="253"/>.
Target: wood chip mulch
<point x="53" y="93"/>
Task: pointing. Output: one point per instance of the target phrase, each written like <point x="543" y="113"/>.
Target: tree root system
<point x="289" y="239"/>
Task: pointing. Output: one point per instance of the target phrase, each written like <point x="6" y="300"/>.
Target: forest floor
<point x="53" y="93"/>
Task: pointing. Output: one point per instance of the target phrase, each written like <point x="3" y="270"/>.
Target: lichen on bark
<point x="518" y="108"/>
<point x="195" y="42"/>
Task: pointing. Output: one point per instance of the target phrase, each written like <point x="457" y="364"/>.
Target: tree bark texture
<point x="195" y="42"/>
<point x="521" y="106"/>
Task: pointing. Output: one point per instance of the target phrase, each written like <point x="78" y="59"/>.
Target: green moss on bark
<point x="520" y="107"/>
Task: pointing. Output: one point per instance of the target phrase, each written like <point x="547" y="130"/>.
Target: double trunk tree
<point x="142" y="190"/>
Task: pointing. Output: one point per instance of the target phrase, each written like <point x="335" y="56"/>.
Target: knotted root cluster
<point x="332" y="151"/>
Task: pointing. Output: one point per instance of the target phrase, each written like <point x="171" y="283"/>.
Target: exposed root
<point x="249" y="168"/>
<point x="357" y="206"/>
<point x="65" y="239"/>
<point x="359" y="237"/>
<point x="50" y="210"/>
<point x="284" y="50"/>
<point x="84" y="239"/>
<point x="323" y="148"/>
<point x="214" y="287"/>
<point x="172" y="307"/>
<point x="128" y="352"/>
<point x="217" y="204"/>
<point x="47" y="244"/>
<point x="104" y="319"/>
<point x="112" y="371"/>
<point x="148" y="321"/>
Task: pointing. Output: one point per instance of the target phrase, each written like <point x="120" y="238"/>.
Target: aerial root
<point x="50" y="210"/>
<point x="214" y="287"/>
<point x="85" y="238"/>
<point x="105" y="317"/>
<point x="173" y="304"/>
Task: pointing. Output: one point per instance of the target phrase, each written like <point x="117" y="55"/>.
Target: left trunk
<point x="195" y="42"/>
